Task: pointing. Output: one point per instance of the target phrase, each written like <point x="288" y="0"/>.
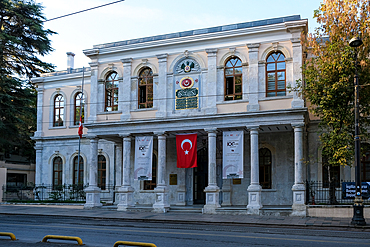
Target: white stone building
<point x="240" y="72"/>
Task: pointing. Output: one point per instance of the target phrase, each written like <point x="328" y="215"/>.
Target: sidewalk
<point x="177" y="217"/>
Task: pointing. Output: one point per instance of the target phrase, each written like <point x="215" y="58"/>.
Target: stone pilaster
<point x="254" y="189"/>
<point x="40" y="104"/>
<point x="94" y="96"/>
<point x="161" y="95"/>
<point x="124" y="97"/>
<point x="161" y="204"/>
<point x="125" y="192"/>
<point x="226" y="192"/>
<point x="211" y="90"/>
<point x="93" y="191"/>
<point x="297" y="64"/>
<point x="39" y="164"/>
<point x="253" y="104"/>
<point x="212" y="190"/>
<point x="299" y="189"/>
<point x="118" y="169"/>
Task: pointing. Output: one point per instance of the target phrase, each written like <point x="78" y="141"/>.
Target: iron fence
<point x="50" y="193"/>
<point x="334" y="193"/>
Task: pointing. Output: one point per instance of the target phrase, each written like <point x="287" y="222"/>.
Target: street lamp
<point x="358" y="206"/>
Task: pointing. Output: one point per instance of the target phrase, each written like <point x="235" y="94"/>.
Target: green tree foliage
<point x="329" y="75"/>
<point x="22" y="40"/>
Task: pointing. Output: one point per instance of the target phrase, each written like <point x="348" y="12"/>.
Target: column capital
<point x="162" y="58"/>
<point x="92" y="137"/>
<point x="212" y="52"/>
<point x="297" y="126"/>
<point x="94" y="65"/>
<point x="210" y="130"/>
<point x="126" y="61"/>
<point x="253" y="47"/>
<point x="40" y="89"/>
<point x="124" y="135"/>
<point x="160" y="133"/>
<point x="253" y="128"/>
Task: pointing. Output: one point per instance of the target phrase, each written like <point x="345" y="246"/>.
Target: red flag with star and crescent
<point x="186" y="146"/>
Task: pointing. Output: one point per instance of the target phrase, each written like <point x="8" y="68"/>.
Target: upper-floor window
<point x="58" y="110"/>
<point x="57" y="172"/>
<point x="78" y="171"/>
<point x="265" y="168"/>
<point x="275" y="75"/>
<point x="102" y="171"/>
<point x="145" y="88"/>
<point x="79" y="103"/>
<point x="111" y="92"/>
<point x="233" y="79"/>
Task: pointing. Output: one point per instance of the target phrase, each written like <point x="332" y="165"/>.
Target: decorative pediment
<point x="186" y="66"/>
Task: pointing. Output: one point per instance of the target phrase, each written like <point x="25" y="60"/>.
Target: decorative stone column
<point x="161" y="96"/>
<point x="124" y="97"/>
<point x="39" y="163"/>
<point x="299" y="188"/>
<point x="254" y="189"/>
<point x="253" y="77"/>
<point x="211" y="90"/>
<point x="125" y="192"/>
<point x="118" y="169"/>
<point x="212" y="190"/>
<point x="40" y="104"/>
<point x="93" y="191"/>
<point x="161" y="204"/>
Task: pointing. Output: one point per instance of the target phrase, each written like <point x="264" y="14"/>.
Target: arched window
<point x="58" y="110"/>
<point x="79" y="103"/>
<point x="265" y="168"/>
<point x="102" y="171"/>
<point x="145" y="88"/>
<point x="233" y="79"/>
<point x="111" y="92"/>
<point x="78" y="171"/>
<point x="57" y="171"/>
<point x="151" y="184"/>
<point x="275" y="75"/>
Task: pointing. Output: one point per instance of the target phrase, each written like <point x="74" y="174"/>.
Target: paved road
<point x="30" y="229"/>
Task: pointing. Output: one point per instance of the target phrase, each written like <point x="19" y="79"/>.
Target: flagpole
<point x="79" y="136"/>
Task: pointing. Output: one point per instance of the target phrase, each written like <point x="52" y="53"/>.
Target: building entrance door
<point x="200" y="181"/>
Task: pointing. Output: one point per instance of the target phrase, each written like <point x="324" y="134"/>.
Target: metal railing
<point x="324" y="193"/>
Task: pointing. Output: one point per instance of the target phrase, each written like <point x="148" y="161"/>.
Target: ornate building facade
<point x="205" y="81"/>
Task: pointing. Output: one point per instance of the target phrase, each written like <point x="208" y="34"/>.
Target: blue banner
<point x="349" y="190"/>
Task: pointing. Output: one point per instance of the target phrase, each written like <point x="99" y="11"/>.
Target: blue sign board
<point x="349" y="190"/>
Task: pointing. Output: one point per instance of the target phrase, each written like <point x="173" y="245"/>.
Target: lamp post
<point x="358" y="206"/>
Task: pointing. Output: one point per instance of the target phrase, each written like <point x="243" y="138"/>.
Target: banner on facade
<point x="186" y="146"/>
<point x="232" y="154"/>
<point x="143" y="157"/>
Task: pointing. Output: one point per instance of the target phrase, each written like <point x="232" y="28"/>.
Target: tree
<point x="22" y="40"/>
<point x="329" y="76"/>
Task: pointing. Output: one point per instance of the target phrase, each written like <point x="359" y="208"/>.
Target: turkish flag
<point x="80" y="128"/>
<point x="186" y="146"/>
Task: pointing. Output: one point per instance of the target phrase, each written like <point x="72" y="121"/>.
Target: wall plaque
<point x="173" y="179"/>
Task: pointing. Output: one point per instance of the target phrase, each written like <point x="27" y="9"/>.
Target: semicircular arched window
<point x="78" y="171"/>
<point x="57" y="172"/>
<point x="58" y="110"/>
<point x="102" y="171"/>
<point x="233" y="79"/>
<point x="145" y="86"/>
<point x="275" y="75"/>
<point x="111" y="92"/>
<point x="79" y="103"/>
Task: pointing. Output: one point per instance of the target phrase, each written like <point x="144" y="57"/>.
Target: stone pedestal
<point x="161" y="204"/>
<point x="254" y="199"/>
<point x="181" y="195"/>
<point x="226" y="193"/>
<point x="125" y="198"/>
<point x="299" y="207"/>
<point x="92" y="197"/>
<point x="212" y="199"/>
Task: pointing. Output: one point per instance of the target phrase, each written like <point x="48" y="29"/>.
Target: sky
<point x="132" y="19"/>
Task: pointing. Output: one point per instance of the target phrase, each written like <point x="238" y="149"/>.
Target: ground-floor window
<point x="102" y="171"/>
<point x="57" y="171"/>
<point x="78" y="171"/>
<point x="365" y="167"/>
<point x="265" y="168"/>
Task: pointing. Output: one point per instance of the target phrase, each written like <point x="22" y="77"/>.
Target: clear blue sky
<point x="141" y="18"/>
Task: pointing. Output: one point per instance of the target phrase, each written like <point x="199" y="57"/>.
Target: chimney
<point x="70" y="61"/>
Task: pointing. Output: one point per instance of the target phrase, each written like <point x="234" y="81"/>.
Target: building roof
<point x="203" y="31"/>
